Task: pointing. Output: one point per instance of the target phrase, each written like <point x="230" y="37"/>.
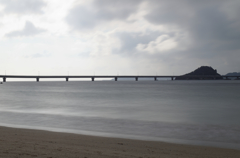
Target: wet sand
<point x="26" y="143"/>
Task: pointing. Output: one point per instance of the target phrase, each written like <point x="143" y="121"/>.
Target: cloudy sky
<point x="125" y="37"/>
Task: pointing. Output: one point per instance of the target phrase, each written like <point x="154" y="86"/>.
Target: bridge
<point x="155" y="77"/>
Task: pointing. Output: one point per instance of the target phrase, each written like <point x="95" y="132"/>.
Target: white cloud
<point x="162" y="44"/>
<point x="104" y="44"/>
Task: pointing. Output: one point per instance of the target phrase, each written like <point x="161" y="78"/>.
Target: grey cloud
<point x="28" y="30"/>
<point x="118" y="9"/>
<point x="81" y="17"/>
<point x="84" y="17"/>
<point x="205" y="21"/>
<point x="23" y="6"/>
<point x="213" y="27"/>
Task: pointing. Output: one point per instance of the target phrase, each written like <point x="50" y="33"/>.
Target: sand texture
<point x="19" y="143"/>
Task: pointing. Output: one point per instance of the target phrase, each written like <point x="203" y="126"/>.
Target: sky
<point x="118" y="37"/>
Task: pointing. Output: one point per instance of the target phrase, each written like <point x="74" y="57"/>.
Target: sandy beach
<point x="17" y="143"/>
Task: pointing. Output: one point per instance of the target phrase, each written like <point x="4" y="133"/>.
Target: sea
<point x="186" y="112"/>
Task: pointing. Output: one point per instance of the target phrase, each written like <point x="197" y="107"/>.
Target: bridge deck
<point x="155" y="77"/>
<point x="98" y="76"/>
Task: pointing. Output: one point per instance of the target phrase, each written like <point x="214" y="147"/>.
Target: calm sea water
<point x="191" y="112"/>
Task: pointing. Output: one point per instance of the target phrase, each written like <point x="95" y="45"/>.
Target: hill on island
<point x="201" y="73"/>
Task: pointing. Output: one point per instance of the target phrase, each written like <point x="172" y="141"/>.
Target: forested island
<point x="201" y="73"/>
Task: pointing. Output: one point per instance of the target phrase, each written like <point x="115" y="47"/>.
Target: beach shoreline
<point x="18" y="142"/>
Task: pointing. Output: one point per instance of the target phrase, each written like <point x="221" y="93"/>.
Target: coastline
<point x="17" y="142"/>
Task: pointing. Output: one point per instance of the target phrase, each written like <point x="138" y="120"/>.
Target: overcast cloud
<point x="124" y="36"/>
<point x="212" y="25"/>
<point x="23" y="6"/>
<point x="100" y="12"/>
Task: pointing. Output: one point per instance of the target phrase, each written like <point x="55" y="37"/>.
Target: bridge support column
<point x="115" y="78"/>
<point x="4" y="79"/>
<point x="155" y="78"/>
<point x="172" y="78"/>
<point x="67" y="79"/>
<point x="37" y="79"/>
<point x="136" y="78"/>
<point x="92" y="78"/>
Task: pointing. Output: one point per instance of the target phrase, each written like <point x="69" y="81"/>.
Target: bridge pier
<point x="115" y="78"/>
<point x="155" y="78"/>
<point x="172" y="78"/>
<point x="4" y="79"/>
<point x="136" y="78"/>
<point x="37" y="79"/>
<point x="67" y="79"/>
<point x="92" y="78"/>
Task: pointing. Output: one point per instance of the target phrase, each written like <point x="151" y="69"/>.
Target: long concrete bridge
<point x="155" y="77"/>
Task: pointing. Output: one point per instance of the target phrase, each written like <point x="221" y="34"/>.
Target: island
<point x="201" y="73"/>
